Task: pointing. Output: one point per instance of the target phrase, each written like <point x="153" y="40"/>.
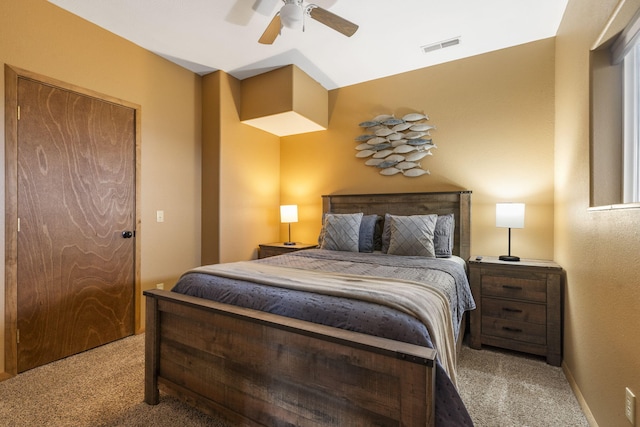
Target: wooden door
<point x="76" y="198"/>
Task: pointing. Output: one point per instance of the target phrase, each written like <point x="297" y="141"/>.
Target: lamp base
<point x="509" y="258"/>
<point x="290" y="243"/>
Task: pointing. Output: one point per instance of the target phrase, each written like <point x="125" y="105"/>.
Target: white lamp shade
<point x="289" y="213"/>
<point x="510" y="215"/>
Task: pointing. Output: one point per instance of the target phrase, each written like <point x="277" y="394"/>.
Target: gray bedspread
<point x="445" y="275"/>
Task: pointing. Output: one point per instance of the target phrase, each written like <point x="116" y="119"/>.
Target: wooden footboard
<point x="254" y="368"/>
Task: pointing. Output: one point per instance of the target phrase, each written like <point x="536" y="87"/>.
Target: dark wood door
<point x="76" y="197"/>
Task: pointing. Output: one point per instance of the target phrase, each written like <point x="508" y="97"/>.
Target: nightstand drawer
<point x="514" y="330"/>
<point x="273" y="249"/>
<point x="515" y="287"/>
<point x="266" y="251"/>
<point x="514" y="310"/>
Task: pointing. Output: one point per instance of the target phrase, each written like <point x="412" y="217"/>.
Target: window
<point x="631" y="120"/>
<point x="615" y="113"/>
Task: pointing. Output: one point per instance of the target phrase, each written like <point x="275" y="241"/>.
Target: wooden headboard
<point x="456" y="202"/>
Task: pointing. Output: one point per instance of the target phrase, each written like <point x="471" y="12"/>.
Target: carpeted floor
<point x="104" y="387"/>
<point x="502" y="388"/>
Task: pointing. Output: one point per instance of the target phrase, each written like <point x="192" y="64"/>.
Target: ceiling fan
<point x="292" y="14"/>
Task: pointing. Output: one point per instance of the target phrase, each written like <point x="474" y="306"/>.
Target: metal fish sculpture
<point x="374" y="162"/>
<point x="402" y="149"/>
<point x="395" y="158"/>
<point x="389" y="171"/>
<point x="384" y="132"/>
<point x="407" y="165"/>
<point x="380" y="147"/>
<point x="412" y="173"/>
<point x="420" y="127"/>
<point x="387" y="164"/>
<point x="382" y="154"/>
<point x="419" y="142"/>
<point x="418" y="155"/>
<point x="368" y="124"/>
<point x="377" y="140"/>
<point x="414" y="117"/>
<point x="395" y="146"/>
<point x="392" y="122"/>
<point x="398" y="142"/>
<point x="414" y="135"/>
<point x="364" y="137"/>
<point x="364" y="153"/>
<point x="400" y="127"/>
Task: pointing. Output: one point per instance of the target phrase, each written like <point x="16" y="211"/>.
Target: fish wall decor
<point x="393" y="145"/>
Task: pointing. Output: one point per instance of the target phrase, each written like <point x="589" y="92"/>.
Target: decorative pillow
<point x="321" y="235"/>
<point x="366" y="242"/>
<point x="341" y="232"/>
<point x="412" y="235"/>
<point x="386" y="233"/>
<point x="442" y="239"/>
<point x="443" y="236"/>
<point x="377" y="234"/>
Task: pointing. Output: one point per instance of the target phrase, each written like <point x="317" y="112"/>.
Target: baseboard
<point x="576" y="391"/>
<point x="4" y="376"/>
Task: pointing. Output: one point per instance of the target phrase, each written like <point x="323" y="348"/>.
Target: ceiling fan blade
<point x="240" y="13"/>
<point x="332" y="20"/>
<point x="264" y="7"/>
<point x="272" y="31"/>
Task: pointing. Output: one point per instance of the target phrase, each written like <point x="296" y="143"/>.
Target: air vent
<point x="440" y="45"/>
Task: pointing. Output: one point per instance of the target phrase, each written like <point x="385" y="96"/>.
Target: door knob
<point x="127" y="234"/>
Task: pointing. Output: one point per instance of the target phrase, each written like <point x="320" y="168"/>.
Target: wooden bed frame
<point x="254" y="368"/>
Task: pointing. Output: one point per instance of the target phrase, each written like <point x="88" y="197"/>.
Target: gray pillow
<point x="412" y="235"/>
<point x="341" y="232"/>
<point x="443" y="236"/>
<point x="367" y="231"/>
<point x="386" y="233"/>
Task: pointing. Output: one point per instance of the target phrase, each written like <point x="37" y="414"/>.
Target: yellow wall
<point x="40" y="37"/>
<point x="600" y="250"/>
<point x="211" y="116"/>
<point x="494" y="115"/>
<point x="241" y="192"/>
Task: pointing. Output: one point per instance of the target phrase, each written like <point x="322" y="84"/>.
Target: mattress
<point x="323" y="305"/>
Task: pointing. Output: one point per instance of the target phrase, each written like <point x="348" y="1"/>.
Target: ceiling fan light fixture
<point x="291" y="15"/>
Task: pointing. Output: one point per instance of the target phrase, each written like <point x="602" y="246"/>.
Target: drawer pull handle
<point x="506" y="328"/>
<point x="515" y="288"/>
<point x="511" y="310"/>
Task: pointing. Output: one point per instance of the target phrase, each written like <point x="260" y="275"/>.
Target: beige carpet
<point x="502" y="388"/>
<point x="104" y="387"/>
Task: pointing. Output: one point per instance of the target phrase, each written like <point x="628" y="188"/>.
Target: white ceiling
<point x="209" y="35"/>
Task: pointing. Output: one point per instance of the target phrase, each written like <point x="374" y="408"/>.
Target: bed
<point x="282" y="341"/>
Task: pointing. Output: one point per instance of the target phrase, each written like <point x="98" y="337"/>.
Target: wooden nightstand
<point x="519" y="306"/>
<point x="273" y="249"/>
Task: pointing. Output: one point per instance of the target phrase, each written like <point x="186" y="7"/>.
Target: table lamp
<point x="509" y="215"/>
<point x="289" y="214"/>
